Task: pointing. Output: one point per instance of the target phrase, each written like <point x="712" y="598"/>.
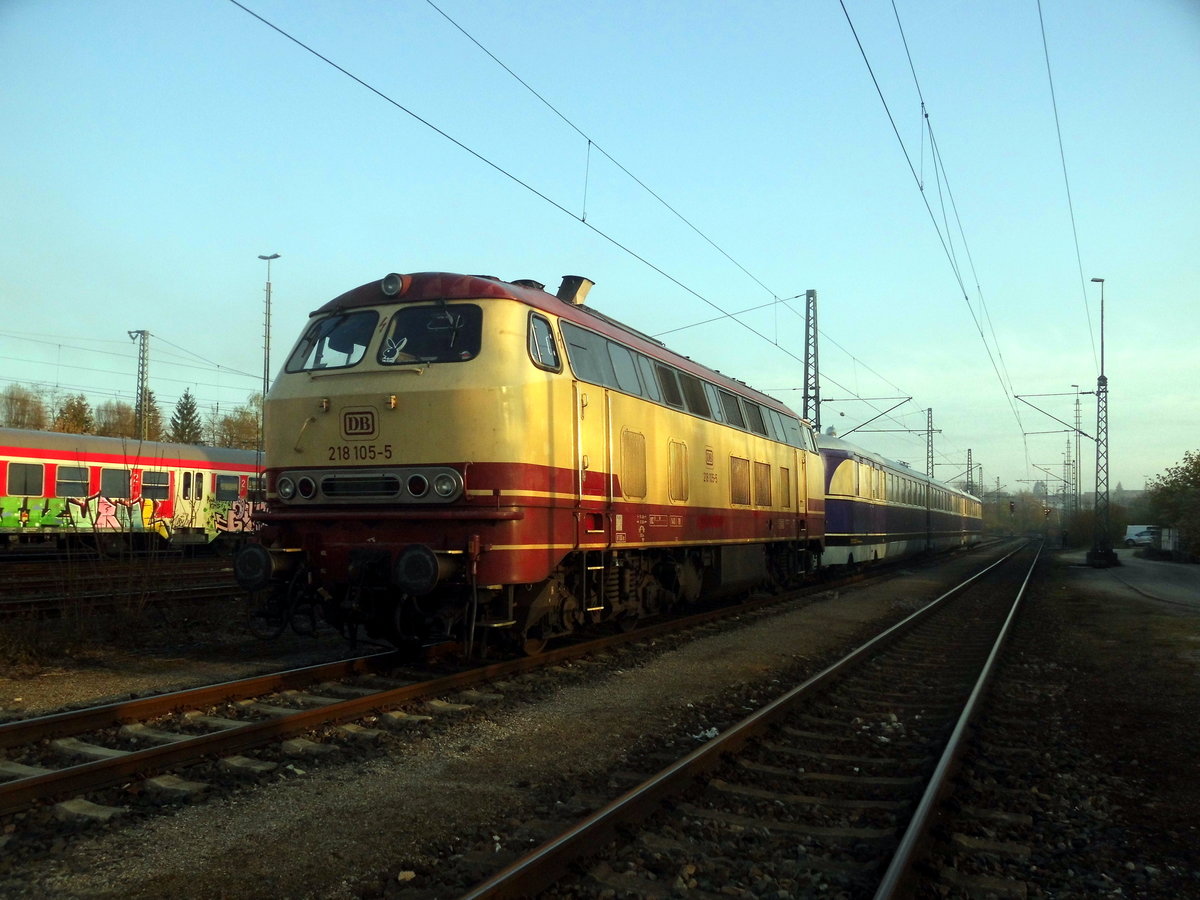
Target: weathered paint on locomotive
<point x="56" y="486"/>
<point x="551" y="464"/>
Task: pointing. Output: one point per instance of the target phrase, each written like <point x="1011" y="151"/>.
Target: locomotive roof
<point x="839" y="445"/>
<point x="430" y="286"/>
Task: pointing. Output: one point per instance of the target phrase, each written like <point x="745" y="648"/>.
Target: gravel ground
<point x="379" y="825"/>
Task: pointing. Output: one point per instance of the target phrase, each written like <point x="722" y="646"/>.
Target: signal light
<point x="1046" y="512"/>
<point x="1012" y="507"/>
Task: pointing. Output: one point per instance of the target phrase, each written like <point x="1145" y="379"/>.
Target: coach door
<point x="593" y="464"/>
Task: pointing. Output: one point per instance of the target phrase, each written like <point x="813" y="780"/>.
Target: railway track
<point x="82" y="752"/>
<point x="59" y="588"/>
<point x="829" y="788"/>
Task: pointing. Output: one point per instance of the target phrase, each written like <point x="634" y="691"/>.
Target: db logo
<point x="358" y="423"/>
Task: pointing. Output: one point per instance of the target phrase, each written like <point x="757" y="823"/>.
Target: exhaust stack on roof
<point x="573" y="289"/>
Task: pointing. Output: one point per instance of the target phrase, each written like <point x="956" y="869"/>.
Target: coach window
<point x="114" y="484"/>
<point x="693" y="394"/>
<point x="254" y="489"/>
<point x="432" y="334"/>
<point x="542" y="348"/>
<point x="72" y="481"/>
<point x="672" y="396"/>
<point x="335" y="342"/>
<point x="227" y="487"/>
<point x="156" y="485"/>
<point x="187" y="485"/>
<point x="733" y="412"/>
<point x="25" y="479"/>
<point x="754" y="417"/>
<point x="588" y="354"/>
<point x="625" y="369"/>
<point x="198" y="487"/>
<point x="651" y="386"/>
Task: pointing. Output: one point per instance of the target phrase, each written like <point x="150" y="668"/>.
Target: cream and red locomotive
<point x="451" y="457"/>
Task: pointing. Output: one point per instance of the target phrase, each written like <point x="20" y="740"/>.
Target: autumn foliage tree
<point x="75" y="416"/>
<point x="1175" y="501"/>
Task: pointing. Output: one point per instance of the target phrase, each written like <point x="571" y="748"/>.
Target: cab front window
<point x="432" y="334"/>
<point x="336" y="342"/>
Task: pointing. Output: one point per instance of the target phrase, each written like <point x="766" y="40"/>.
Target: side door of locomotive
<point x="593" y="464"/>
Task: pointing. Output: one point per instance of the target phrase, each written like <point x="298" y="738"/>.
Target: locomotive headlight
<point x="286" y="488"/>
<point x="392" y="285"/>
<point x="418" y="485"/>
<point x="445" y="484"/>
<point x="307" y="487"/>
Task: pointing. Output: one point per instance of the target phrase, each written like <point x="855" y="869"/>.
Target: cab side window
<point x="542" y="347"/>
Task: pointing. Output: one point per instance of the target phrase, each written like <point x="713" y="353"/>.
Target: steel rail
<point x="545" y="864"/>
<point x="22" y="793"/>
<point x="899" y="872"/>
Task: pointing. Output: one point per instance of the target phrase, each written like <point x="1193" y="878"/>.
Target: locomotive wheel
<point x="531" y="641"/>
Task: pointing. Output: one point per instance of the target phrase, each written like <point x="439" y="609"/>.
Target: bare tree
<point x="22" y="407"/>
<point x="115" y="418"/>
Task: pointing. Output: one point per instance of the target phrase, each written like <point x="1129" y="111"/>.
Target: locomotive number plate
<point x="360" y="452"/>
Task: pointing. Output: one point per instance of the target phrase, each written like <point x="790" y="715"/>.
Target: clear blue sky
<point x="152" y="150"/>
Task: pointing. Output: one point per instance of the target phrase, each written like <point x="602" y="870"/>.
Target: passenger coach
<point x="877" y="508"/>
<point x="452" y="455"/>
<point x="121" y="492"/>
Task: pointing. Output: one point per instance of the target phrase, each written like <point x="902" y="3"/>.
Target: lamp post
<point x="262" y="411"/>
<point x="1101" y="554"/>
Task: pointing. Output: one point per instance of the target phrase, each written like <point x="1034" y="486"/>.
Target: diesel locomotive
<point x="459" y="458"/>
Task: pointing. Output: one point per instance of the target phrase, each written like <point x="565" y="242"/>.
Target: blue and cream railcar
<point x="877" y="508"/>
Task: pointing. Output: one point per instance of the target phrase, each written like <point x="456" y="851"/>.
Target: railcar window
<point x="739" y="481"/>
<point x="227" y="487"/>
<point x="754" y="417"/>
<point x="335" y="342"/>
<point x="542" y="348"/>
<point x="798" y="436"/>
<point x="72" y="481"/>
<point x="714" y="402"/>
<point x="651" y="385"/>
<point x="198" y="487"/>
<point x="254" y="489"/>
<point x="187" y="485"/>
<point x="156" y="485"/>
<point x="114" y="484"/>
<point x="25" y="479"/>
<point x="433" y="334"/>
<point x="733" y="411"/>
<point x="588" y="353"/>
<point x="625" y="369"/>
<point x="762" y="484"/>
<point x="693" y="395"/>
<point x="670" y="386"/>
